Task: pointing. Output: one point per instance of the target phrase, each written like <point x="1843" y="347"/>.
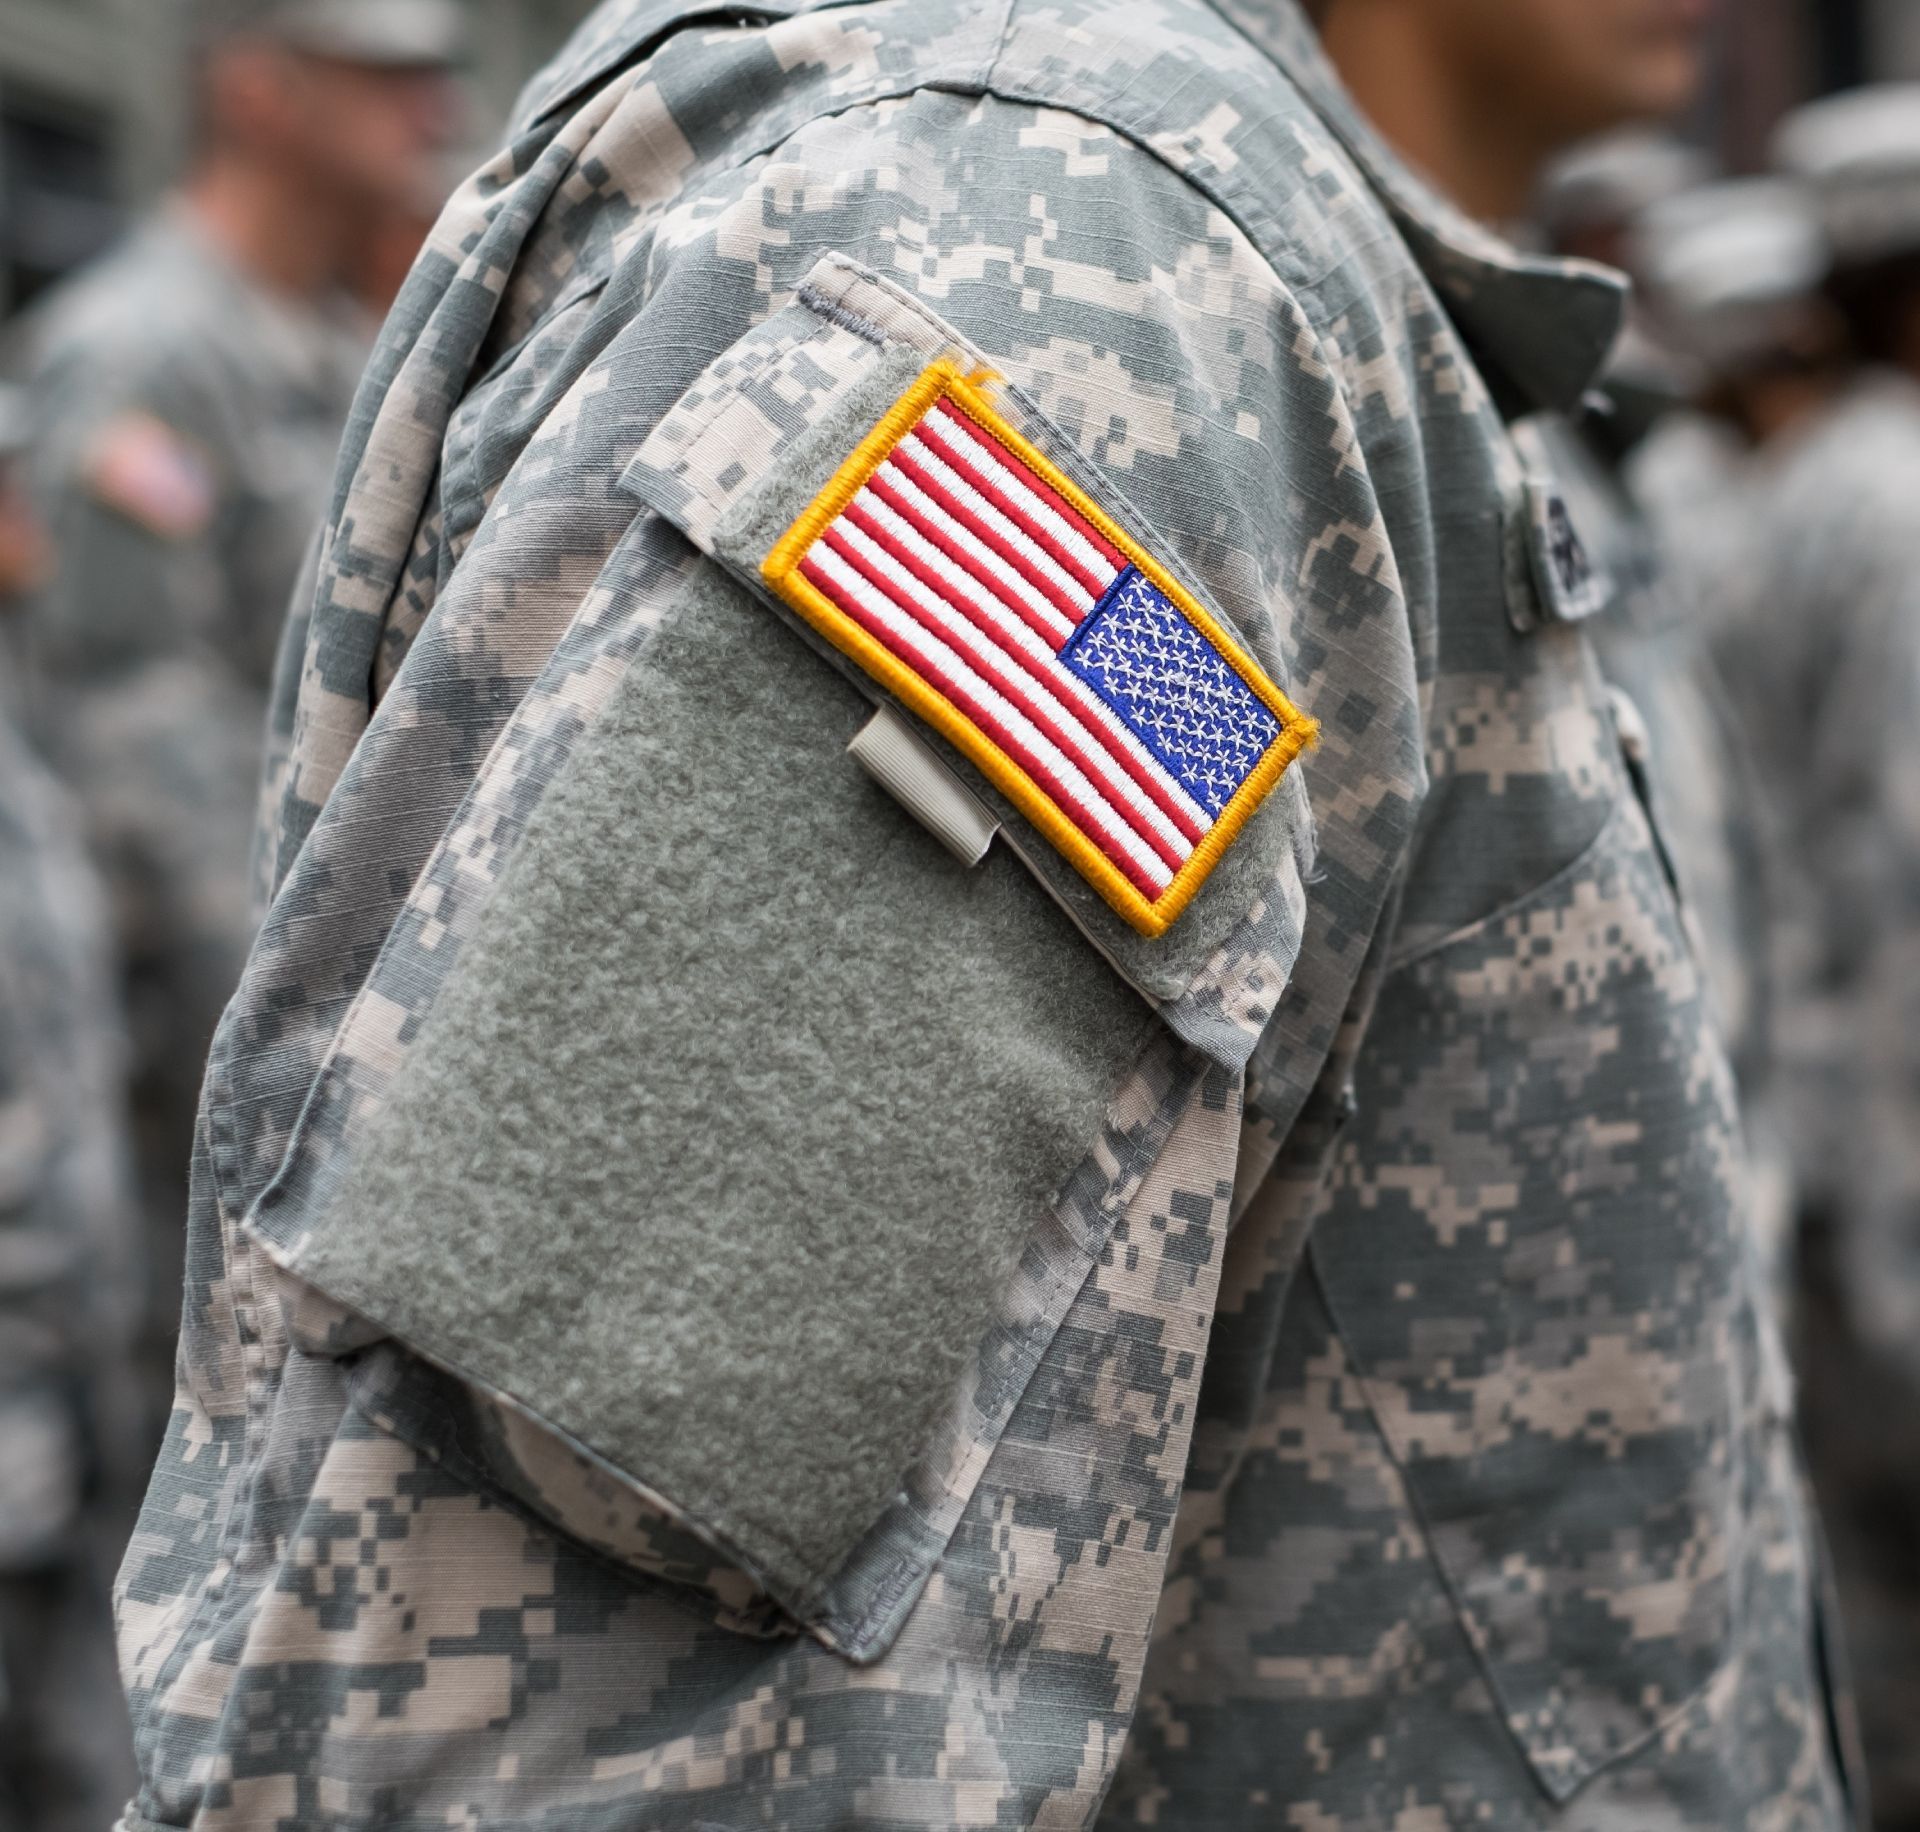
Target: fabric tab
<point x="886" y="748"/>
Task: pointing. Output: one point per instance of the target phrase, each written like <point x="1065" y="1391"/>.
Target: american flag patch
<point x="982" y="586"/>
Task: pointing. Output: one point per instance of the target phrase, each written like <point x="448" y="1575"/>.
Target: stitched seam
<point x="999" y="46"/>
<point x="816" y="301"/>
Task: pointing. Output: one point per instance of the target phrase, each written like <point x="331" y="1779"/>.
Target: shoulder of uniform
<point x="123" y="325"/>
<point x="126" y="389"/>
<point x="1183" y="85"/>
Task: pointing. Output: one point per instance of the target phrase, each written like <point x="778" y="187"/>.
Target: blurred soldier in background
<point x="1729" y="273"/>
<point x="1588" y="206"/>
<point x="1798" y="296"/>
<point x="189" y="391"/>
<point x="1591" y="199"/>
<point x="1653" y="639"/>
<point x="395" y="236"/>
<point x="70" y="1443"/>
<point x="1732" y="275"/>
<point x="1820" y="642"/>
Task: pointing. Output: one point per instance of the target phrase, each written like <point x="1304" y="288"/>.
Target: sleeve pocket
<point x="748" y="1150"/>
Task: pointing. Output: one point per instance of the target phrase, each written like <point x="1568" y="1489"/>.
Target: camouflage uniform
<point x="68" y="1277"/>
<point x="1373" y="1422"/>
<point x="1820" y="626"/>
<point x="1681" y="733"/>
<point x="186" y="427"/>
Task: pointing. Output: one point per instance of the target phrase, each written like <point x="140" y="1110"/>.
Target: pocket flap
<point x="743" y="1117"/>
<point x="742" y="1138"/>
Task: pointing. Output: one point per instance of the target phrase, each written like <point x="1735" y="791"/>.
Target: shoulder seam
<point x="1292" y="277"/>
<point x="981" y="79"/>
<point x="1235" y="202"/>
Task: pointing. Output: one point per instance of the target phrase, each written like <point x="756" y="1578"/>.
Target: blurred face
<point x="357" y="137"/>
<point x="370" y="137"/>
<point x="1576" y="67"/>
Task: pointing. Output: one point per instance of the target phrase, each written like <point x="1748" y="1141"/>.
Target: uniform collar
<point x="1546" y="325"/>
<point x="615" y="34"/>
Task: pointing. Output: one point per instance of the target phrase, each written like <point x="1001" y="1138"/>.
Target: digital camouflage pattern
<point x="184" y="427"/>
<point x="1452" y="1486"/>
<point x="1819" y="623"/>
<point x="1684" y="740"/>
<point x="69" y="1281"/>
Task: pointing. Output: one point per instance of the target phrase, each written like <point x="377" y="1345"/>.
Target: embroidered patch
<point x="141" y="468"/>
<point x="970" y="576"/>
<point x="1572" y="583"/>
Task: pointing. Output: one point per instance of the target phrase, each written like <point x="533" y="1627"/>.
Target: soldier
<point x="189" y="392"/>
<point x="1731" y="275"/>
<point x="1821" y="626"/>
<point x="805" y="911"/>
<point x="1592" y="198"/>
<point x="1634" y="432"/>
<point x="69" y="1274"/>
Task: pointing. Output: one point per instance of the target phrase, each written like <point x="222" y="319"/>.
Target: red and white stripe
<point x="974" y="572"/>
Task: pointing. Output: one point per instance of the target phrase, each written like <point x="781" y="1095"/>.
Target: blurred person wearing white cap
<point x="1591" y="198"/>
<point x="1734" y="274"/>
<point x="1588" y="206"/>
<point x="1729" y="274"/>
<point x="1635" y="463"/>
<point x="1859" y="155"/>
<point x="187" y="395"/>
<point x="1795" y="294"/>
<point x="1820" y="643"/>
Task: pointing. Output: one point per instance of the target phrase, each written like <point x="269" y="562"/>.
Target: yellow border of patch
<point x="781" y="571"/>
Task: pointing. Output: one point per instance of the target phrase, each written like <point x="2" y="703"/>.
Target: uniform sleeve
<point x="701" y="1154"/>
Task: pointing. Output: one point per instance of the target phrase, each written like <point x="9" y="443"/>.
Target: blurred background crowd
<point x="206" y="207"/>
